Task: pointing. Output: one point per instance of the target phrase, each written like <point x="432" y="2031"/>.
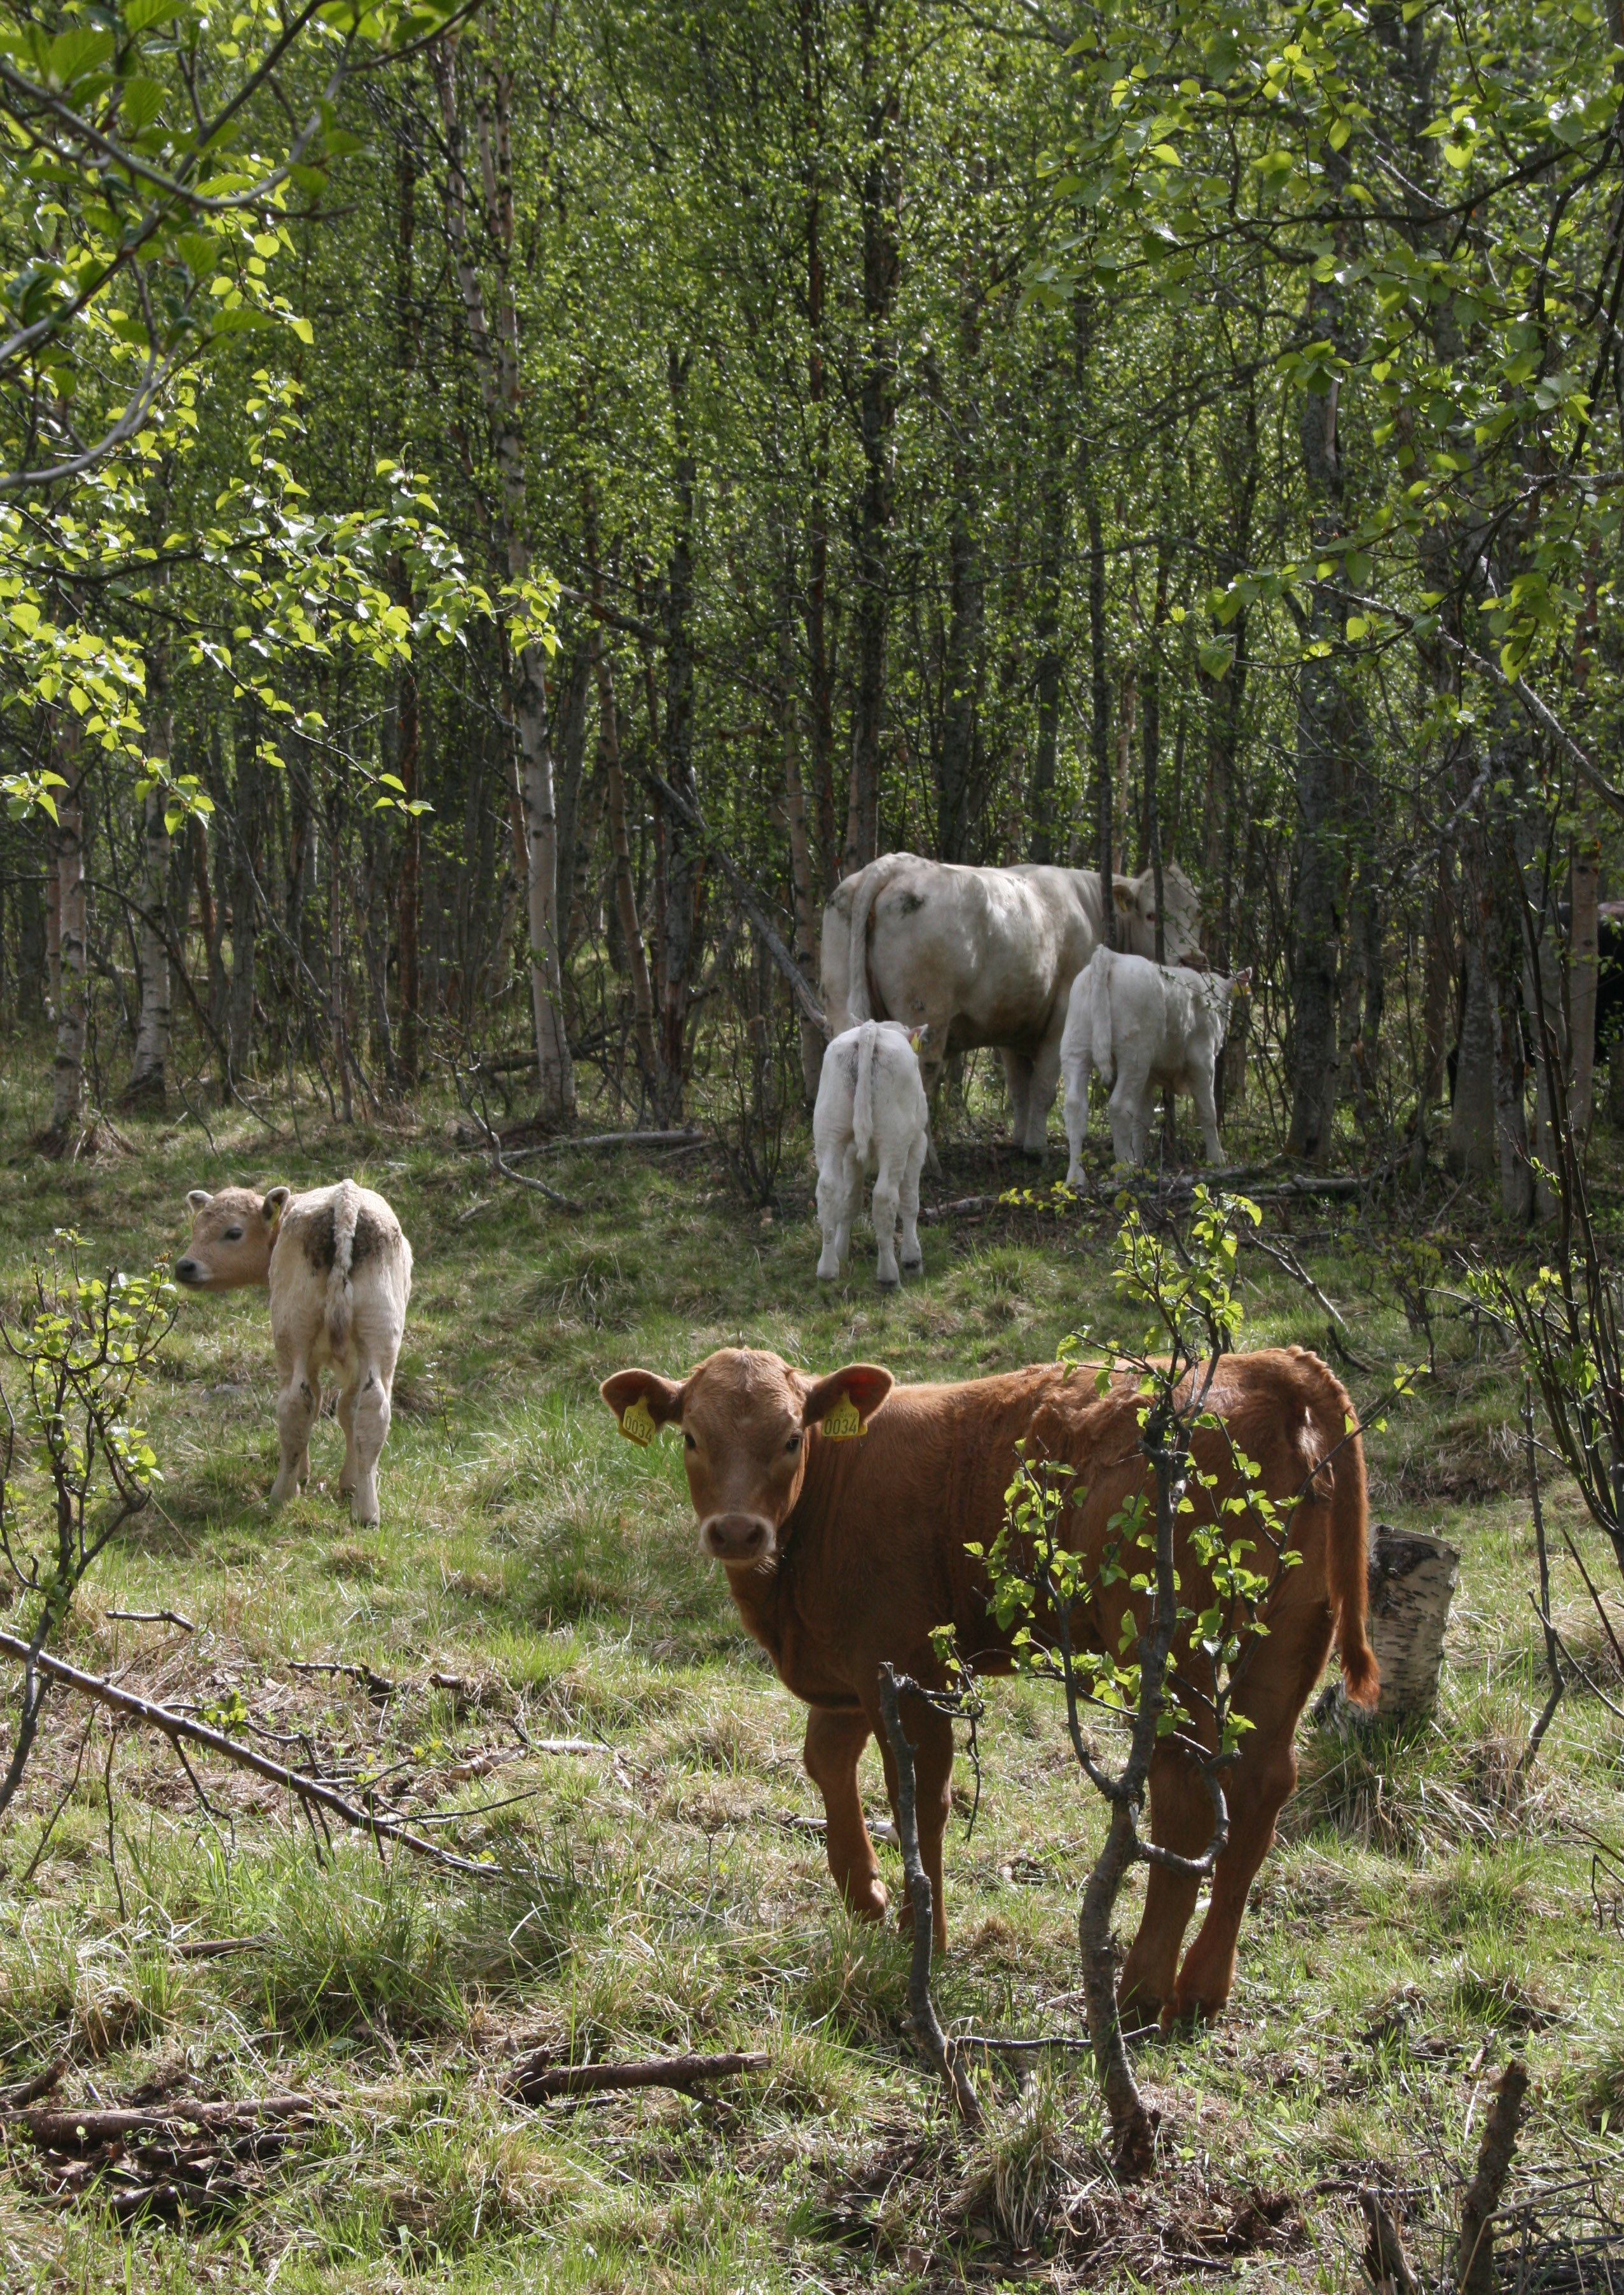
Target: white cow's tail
<point x="862" y="1100"/>
<point x="340" y="1298"/>
<point x="1099" y="1016"/>
<point x="871" y="884"/>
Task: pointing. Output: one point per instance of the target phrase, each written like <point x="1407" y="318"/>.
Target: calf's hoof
<point x="887" y="1282"/>
<point x="913" y="1267"/>
<point x="867" y="1902"/>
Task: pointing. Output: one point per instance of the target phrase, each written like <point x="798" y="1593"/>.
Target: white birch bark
<point x="68" y="1086"/>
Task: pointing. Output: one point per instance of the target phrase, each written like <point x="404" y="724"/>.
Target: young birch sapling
<point x="1172" y="1678"/>
<point x="73" y="1467"/>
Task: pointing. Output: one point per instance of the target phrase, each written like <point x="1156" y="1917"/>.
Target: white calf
<point x="339" y="1274"/>
<point x="1147" y="1024"/>
<point x="871" y="1117"/>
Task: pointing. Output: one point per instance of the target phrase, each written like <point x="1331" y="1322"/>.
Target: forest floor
<point x="1425" y="1910"/>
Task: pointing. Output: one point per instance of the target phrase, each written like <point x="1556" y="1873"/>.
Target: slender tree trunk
<point x="408" y="726"/>
<point x="337" y="1016"/>
<point x="620" y="844"/>
<point x="497" y="364"/>
<point x="1320" y="858"/>
<point x="880" y="198"/>
<point x="800" y="856"/>
<point x="68" y="1085"/>
<point x="683" y="856"/>
<point x="570" y="716"/>
<point x="244" y="842"/>
<point x="149" y="1076"/>
<point x="1045" y="841"/>
<point x="1585" y="959"/>
<point x="1099" y="727"/>
<point x="1440" y="965"/>
<point x="821" y="678"/>
<point x="53" y="925"/>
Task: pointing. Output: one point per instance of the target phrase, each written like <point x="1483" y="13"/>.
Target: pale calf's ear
<point x="642" y="1401"/>
<point x="845" y="1402"/>
<point x="276" y="1202"/>
<point x="196" y="1198"/>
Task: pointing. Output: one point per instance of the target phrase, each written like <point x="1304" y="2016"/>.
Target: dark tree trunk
<point x="876" y="416"/>
<point x="1045" y="839"/>
<point x="1100" y="726"/>
<point x="819" y="665"/>
<point x="682" y="855"/>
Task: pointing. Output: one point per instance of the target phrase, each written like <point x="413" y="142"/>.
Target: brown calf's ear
<point x="642" y="1401"/>
<point x="845" y="1402"/>
<point x="196" y="1198"/>
<point x="276" y="1202"/>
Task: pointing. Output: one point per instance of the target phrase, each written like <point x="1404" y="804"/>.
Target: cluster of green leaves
<point x="1448" y="176"/>
<point x="70" y="1445"/>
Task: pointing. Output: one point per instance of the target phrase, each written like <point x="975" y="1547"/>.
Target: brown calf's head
<point x="231" y="1236"/>
<point x="744" y="1418"/>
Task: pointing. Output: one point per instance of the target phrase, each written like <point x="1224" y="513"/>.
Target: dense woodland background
<point x="635" y="440"/>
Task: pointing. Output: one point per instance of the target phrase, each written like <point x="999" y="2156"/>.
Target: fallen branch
<point x="217" y="1948"/>
<point x="941" y="2050"/>
<point x="154" y="1618"/>
<point x="966" y="1207"/>
<point x="1474" y="2257"/>
<point x="58" y="2130"/>
<point x="535" y="2080"/>
<point x="29" y="2091"/>
<point x="376" y="1685"/>
<point x="1386" y="2266"/>
<point x="179" y="1728"/>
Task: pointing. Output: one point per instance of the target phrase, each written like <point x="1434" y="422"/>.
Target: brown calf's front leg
<point x="834" y="1747"/>
<point x="931" y="1735"/>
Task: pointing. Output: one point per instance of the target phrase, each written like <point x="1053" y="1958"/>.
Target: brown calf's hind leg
<point x="834" y="1747"/>
<point x="1181" y="1820"/>
<point x="1259" y="1789"/>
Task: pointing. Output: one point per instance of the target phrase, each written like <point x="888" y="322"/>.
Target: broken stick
<point x="535" y="2080"/>
<point x="1474" y="2259"/>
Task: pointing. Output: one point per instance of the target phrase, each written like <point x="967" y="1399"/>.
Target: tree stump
<point x="1412" y="1579"/>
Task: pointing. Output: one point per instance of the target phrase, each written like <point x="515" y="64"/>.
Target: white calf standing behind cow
<point x="339" y="1274"/>
<point x="1147" y="1025"/>
<point x="871" y="1119"/>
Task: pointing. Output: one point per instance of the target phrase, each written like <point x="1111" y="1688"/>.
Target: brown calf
<point x="843" y="1553"/>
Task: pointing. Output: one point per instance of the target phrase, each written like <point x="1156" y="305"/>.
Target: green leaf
<point x="73" y="55"/>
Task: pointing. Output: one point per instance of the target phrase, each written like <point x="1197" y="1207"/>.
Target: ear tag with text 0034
<point x="636" y="1422"/>
<point x="844" y="1421"/>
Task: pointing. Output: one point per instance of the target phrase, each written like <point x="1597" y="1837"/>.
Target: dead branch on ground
<point x="536" y="2079"/>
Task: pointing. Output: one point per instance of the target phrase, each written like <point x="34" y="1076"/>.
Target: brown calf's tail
<point x="1349" y="1568"/>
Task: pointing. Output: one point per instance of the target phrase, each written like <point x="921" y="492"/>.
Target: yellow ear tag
<point x="636" y="1424"/>
<point x="844" y="1421"/>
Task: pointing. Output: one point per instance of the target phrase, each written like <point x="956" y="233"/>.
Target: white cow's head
<point x="1135" y="913"/>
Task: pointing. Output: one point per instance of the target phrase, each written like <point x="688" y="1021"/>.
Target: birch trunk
<point x="495" y="348"/>
<point x="620" y="843"/>
<point x="1586" y="961"/>
<point x="1411" y="1583"/>
<point x="68" y="1083"/>
<point x="800" y="860"/>
<point x="149" y="1074"/>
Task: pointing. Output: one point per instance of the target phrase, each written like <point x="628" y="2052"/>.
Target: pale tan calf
<point x="339" y="1270"/>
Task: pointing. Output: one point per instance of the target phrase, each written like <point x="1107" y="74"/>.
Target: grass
<point x="1424" y="1909"/>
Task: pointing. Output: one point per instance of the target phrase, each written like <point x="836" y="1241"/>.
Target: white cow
<point x="871" y="1117"/>
<point x="339" y="1274"/>
<point x="1147" y="1024"/>
<point x="986" y="956"/>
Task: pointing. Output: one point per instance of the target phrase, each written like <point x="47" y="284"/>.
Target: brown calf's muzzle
<point x="737" y="1538"/>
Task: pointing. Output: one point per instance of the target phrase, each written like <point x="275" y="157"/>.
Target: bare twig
<point x="941" y="2050"/>
<point x="29" y="2091"/>
<point x="57" y="2128"/>
<point x="177" y="1727"/>
<point x="1386" y="2265"/>
<point x="154" y="1618"/>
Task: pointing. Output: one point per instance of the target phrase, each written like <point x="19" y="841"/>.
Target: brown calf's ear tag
<point x="844" y="1421"/>
<point x="637" y="1423"/>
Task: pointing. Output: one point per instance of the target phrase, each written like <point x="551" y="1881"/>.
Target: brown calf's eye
<point x="234" y="1235"/>
<point x="688" y="1444"/>
<point x="792" y="1445"/>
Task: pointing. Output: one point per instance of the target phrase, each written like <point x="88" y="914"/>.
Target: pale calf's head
<point x="231" y="1236"/>
<point x="745" y="1417"/>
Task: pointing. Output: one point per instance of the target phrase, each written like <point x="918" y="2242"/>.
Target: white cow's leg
<point x="913" y="1257"/>
<point x="347" y="1419"/>
<point x="886" y="1194"/>
<point x="1206" y="1112"/>
<point x="1129" y="1121"/>
<point x="1018" y="1076"/>
<point x="372" y="1420"/>
<point x="297" y="1402"/>
<point x="834" y="1217"/>
<point x="1077" y="1120"/>
<point x="1041" y="1099"/>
